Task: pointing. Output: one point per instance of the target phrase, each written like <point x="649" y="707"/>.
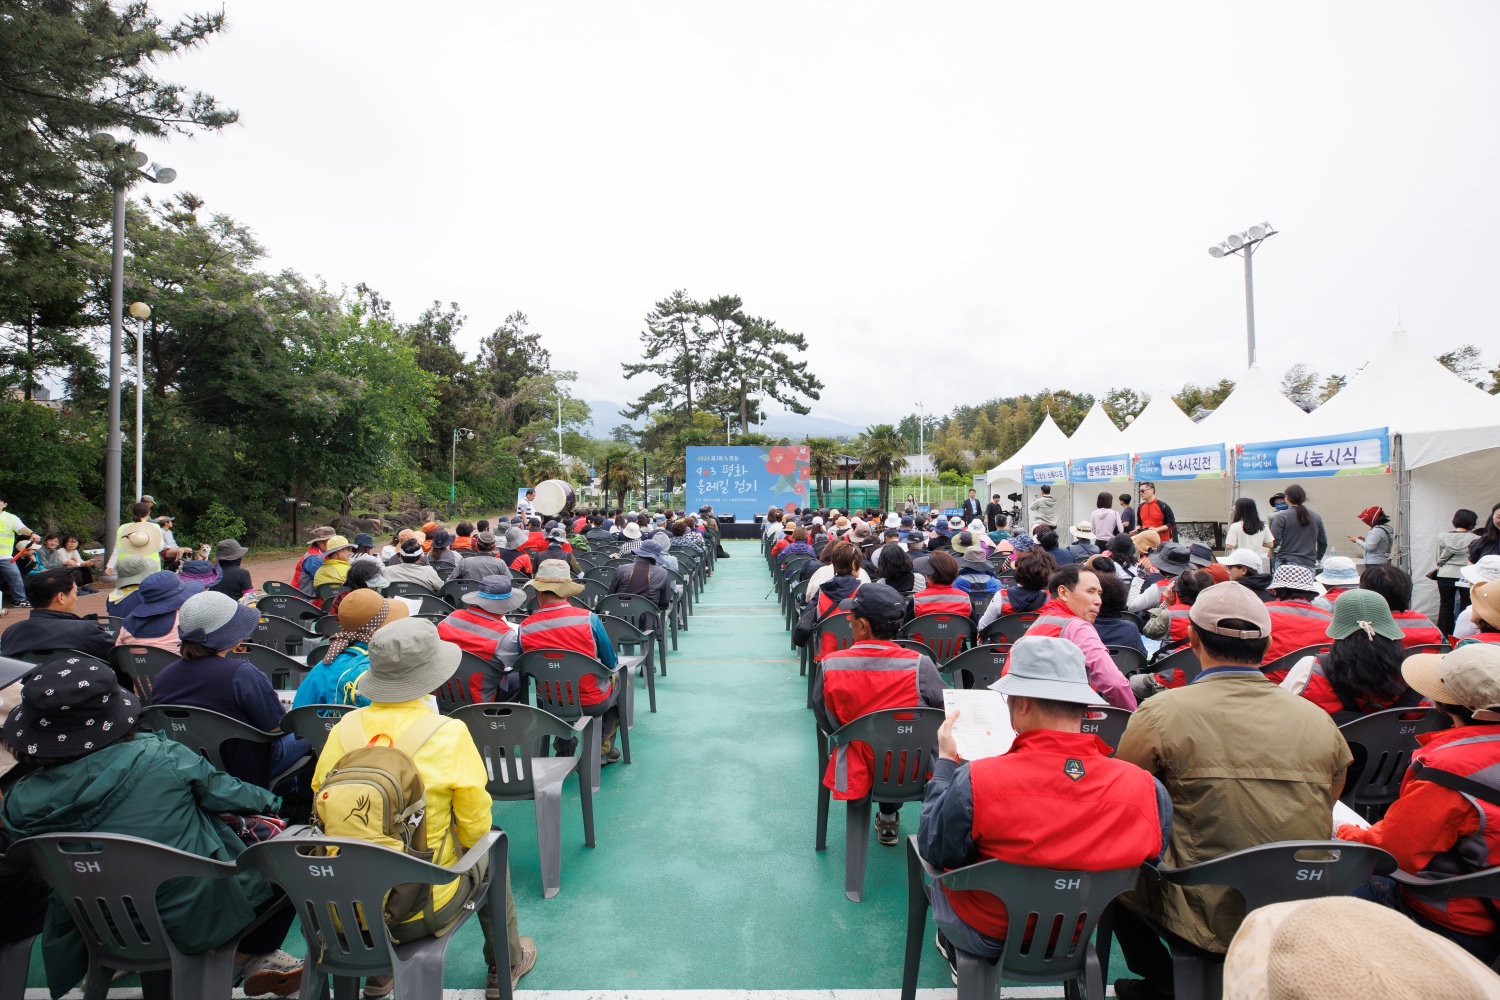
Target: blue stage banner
<point x="1356" y="454"/>
<point x="746" y="480"/>
<point x="1206" y="462"/>
<point x="1106" y="469"/>
<point x="1038" y="475"/>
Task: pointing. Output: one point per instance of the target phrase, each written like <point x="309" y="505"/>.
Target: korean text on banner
<point x="1106" y="469"/>
<point x="1038" y="475"/>
<point x="1181" y="463"/>
<point x="1359" y="453"/>
<point x="746" y="480"/>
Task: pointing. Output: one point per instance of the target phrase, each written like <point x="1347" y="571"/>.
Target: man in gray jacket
<point x="1044" y="509"/>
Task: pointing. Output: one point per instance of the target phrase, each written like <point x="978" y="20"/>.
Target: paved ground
<point x="705" y="876"/>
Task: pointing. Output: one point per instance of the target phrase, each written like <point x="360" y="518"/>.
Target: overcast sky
<point x="953" y="202"/>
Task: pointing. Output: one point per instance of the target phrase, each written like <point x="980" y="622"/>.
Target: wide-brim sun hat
<point x="1355" y="610"/>
<point x="1050" y="668"/>
<point x="650" y="549"/>
<point x="1083" y="529"/>
<point x="131" y="570"/>
<point x="1146" y="541"/>
<point x="140" y="540"/>
<point x="408" y="661"/>
<point x="1484" y="601"/>
<point x="1485" y="570"/>
<point x="337" y="543"/>
<point x="231" y="549"/>
<point x="554" y="577"/>
<point x="495" y="595"/>
<point x="70" y="706"/>
<point x="975" y="554"/>
<point x="163" y="592"/>
<point x="1469" y="677"/>
<point x="1172" y="558"/>
<point x="216" y="620"/>
<point x="1290" y="576"/>
<point x="631" y="531"/>
<point x="1339" y="571"/>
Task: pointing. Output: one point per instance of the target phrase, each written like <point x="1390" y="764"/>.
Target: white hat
<point x="1483" y="571"/>
<point x="893" y="520"/>
<point x="631" y="530"/>
<point x="817" y="520"/>
<point x="976" y="525"/>
<point x="1083" y="529"/>
<point x="1248" y="558"/>
<point x="953" y="522"/>
<point x="1339" y="571"/>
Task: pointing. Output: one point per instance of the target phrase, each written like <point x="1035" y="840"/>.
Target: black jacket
<point x="992" y="510"/>
<point x="45" y="629"/>
<point x="972" y="509"/>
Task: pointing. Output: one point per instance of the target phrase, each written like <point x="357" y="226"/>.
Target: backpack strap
<point x="419" y="732"/>
<point x="353" y="735"/>
<point x="1464" y="786"/>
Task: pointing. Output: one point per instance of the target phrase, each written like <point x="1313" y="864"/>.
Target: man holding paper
<point x="872" y="674"/>
<point x="1056" y="799"/>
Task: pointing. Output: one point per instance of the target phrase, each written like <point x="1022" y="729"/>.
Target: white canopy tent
<point x="1445" y="448"/>
<point x="1162" y="425"/>
<point x="1096" y="437"/>
<point x="1048" y="444"/>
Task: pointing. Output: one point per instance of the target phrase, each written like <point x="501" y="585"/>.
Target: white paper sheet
<point x="983" y="725"/>
<point x="1343" y="814"/>
<point x="413" y="604"/>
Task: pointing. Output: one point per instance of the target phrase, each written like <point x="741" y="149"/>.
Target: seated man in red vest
<point x="1056" y="799"/>
<point x="556" y="624"/>
<point x="1433" y="828"/>
<point x="1394" y="584"/>
<point x="1069" y="614"/>
<point x="872" y="674"/>
<point x="1296" y="622"/>
<point x="481" y="628"/>
<point x="940" y="597"/>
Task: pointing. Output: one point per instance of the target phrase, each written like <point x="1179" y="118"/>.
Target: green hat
<point x="1357" y="609"/>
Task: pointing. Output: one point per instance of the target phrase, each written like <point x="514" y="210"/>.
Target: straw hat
<point x="359" y="606"/>
<point x="1469" y="676"/>
<point x="554" y="577"/>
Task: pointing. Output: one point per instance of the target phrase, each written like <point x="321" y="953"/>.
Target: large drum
<point x="553" y="496"/>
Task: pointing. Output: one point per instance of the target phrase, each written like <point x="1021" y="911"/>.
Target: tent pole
<point x="1403" y="504"/>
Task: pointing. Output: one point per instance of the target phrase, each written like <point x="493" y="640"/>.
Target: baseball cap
<point x="1224" y="601"/>
<point x="1200" y="555"/>
<point x="1248" y="558"/>
<point x="1047" y="667"/>
<point x="1486" y="569"/>
<point x="1468" y="676"/>
<point x="877" y="602"/>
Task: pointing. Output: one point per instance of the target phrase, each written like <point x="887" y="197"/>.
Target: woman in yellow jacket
<point x="408" y="660"/>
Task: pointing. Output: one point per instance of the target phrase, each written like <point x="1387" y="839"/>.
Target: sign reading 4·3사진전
<point x="1359" y="453"/>
<point x="1205" y="462"/>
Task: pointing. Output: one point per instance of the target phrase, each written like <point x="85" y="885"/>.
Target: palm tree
<point x="822" y="459"/>
<point x="881" y="452"/>
<point x="617" y="470"/>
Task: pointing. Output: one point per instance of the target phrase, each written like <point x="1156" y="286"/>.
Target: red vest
<point x="312" y="550"/>
<point x="1417" y="629"/>
<point x="829" y="644"/>
<point x="1481" y="637"/>
<point x="776" y="549"/>
<point x="1053" y="617"/>
<point x="866" y="677"/>
<point x="1177" y="623"/>
<point x="1029" y="811"/>
<point x="1334" y="593"/>
<point x="940" y="600"/>
<point x="475" y="632"/>
<point x="1320" y="692"/>
<point x="1473" y="752"/>
<point x="562" y="626"/>
<point x="1294" y="625"/>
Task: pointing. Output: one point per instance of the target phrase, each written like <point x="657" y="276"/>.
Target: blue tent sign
<point x="1181" y="463"/>
<point x="1106" y="469"/>
<point x="1356" y="454"/>
<point x="745" y="481"/>
<point x="1039" y="475"/>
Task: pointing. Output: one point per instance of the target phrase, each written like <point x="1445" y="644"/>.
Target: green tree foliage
<point x="1332" y="385"/>
<point x="1301" y="384"/>
<point x="1127" y="403"/>
<point x="51" y="465"/>
<point x="822" y="461"/>
<point x="70" y="68"/>
<point x="43" y="304"/>
<point x="881" y="453"/>
<point x="1466" y="363"/>
<point x="1191" y="397"/>
<point x="673" y="348"/>
<point x="752" y="356"/>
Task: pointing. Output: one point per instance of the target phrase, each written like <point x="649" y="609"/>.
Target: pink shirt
<point x="1106" y="523"/>
<point x="1104" y="676"/>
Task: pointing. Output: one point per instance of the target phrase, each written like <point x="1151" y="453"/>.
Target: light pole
<point x="468" y="435"/>
<point x="921" y="455"/>
<point x="123" y="163"/>
<point x="1245" y="244"/>
<point x="141" y="312"/>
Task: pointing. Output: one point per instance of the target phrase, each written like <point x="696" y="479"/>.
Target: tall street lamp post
<point x="123" y="165"/>
<point x="141" y="312"/>
<point x="1244" y="244"/>
<point x="467" y="435"/>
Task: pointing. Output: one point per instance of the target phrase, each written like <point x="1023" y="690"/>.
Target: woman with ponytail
<point x="1300" y="538"/>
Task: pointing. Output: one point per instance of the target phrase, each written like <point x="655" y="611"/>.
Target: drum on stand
<point x="553" y="496"/>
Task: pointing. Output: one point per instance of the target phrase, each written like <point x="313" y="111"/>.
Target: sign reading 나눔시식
<point x="1359" y="453"/>
<point x="1107" y="469"/>
<point x="1039" y="475"/>
<point x="1181" y="463"/>
<point x="746" y="480"/>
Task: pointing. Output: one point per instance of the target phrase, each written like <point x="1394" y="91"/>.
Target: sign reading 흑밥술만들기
<point x="1106" y="469"/>
<point x="1359" y="453"/>
<point x="1038" y="475"/>
<point x="1206" y="462"/>
<point x="745" y="480"/>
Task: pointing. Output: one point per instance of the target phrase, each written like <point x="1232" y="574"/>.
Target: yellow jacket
<point x="332" y="571"/>
<point x="452" y="772"/>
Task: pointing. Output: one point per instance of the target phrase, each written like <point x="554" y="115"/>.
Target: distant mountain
<point x="605" y="416"/>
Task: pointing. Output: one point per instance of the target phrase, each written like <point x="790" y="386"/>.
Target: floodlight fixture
<point x="1244" y="244"/>
<point x="1217" y="250"/>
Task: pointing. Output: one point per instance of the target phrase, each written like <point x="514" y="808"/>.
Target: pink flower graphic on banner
<point x="782" y="461"/>
<point x="802" y="453"/>
<point x="788" y="506"/>
<point x="802" y="472"/>
<point x="799" y="488"/>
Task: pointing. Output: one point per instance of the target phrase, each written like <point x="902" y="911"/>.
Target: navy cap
<point x="908" y="521"/>
<point x="876" y="602"/>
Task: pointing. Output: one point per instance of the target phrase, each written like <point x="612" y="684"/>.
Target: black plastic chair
<point x="635" y="609"/>
<point x="112" y="624"/>
<point x="316" y="654"/>
<point x="1060" y="908"/>
<point x="979" y="604"/>
<point x="339" y="886"/>
<point x="454" y="590"/>
<point x="1128" y="659"/>
<point x="591" y="594"/>
<point x="1382" y="743"/>
<point x="1008" y="628"/>
<point x="313" y="723"/>
<point x="1284" y="663"/>
<point x="1270" y="873"/>
<point x="1106" y="722"/>
<point x="405" y="588"/>
<point x="109" y="882"/>
<point x="326" y="592"/>
<point x="1184" y="659"/>
<point x="508" y="738"/>
<point x="444" y="570"/>
<point x="283" y="634"/>
<point x="901" y="741"/>
<point x="15" y="965"/>
<point x="623" y="635"/>
<point x="141" y="664"/>
<point x="1475" y="885"/>
<point x="327" y="625"/>
<point x="602" y="575"/>
<point x="1432" y="647"/>
<point x="280" y="588"/>
<point x="293" y="608"/>
<point x="836" y="625"/>
<point x="284" y="672"/>
<point x="458" y="690"/>
<point x="918" y="645"/>
<point x="206" y="732"/>
<point x="978" y="667"/>
<point x="945" y="635"/>
<point x="556" y="675"/>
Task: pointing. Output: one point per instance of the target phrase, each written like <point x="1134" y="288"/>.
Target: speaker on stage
<point x="725" y="518"/>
